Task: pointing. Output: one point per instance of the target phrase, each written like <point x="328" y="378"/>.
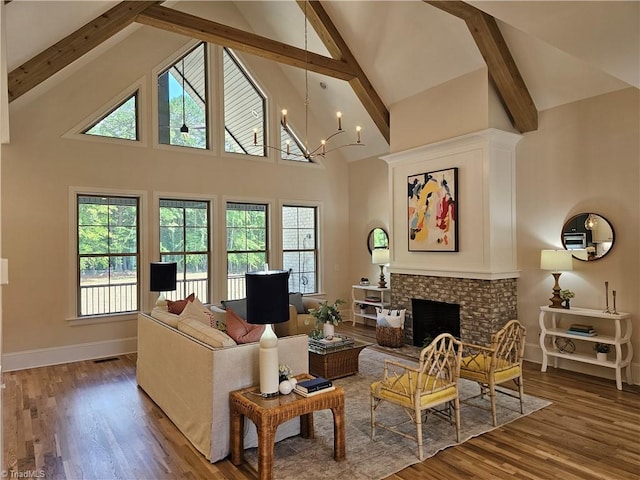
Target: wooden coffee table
<point x="268" y="413"/>
<point x="335" y="363"/>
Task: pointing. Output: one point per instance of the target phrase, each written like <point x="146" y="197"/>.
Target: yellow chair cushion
<point x="477" y="368"/>
<point x="400" y="392"/>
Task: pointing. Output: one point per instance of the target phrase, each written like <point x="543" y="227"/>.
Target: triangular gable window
<point x="244" y="110"/>
<point x="291" y="146"/>
<point x="121" y="122"/>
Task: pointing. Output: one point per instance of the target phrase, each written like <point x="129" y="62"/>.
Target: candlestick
<point x="615" y="312"/>
<point x="606" y="294"/>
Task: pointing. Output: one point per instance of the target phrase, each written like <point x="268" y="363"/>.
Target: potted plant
<point x="566" y="295"/>
<point x="326" y="316"/>
<point x="601" y="351"/>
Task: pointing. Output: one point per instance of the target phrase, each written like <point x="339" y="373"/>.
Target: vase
<point x="601" y="356"/>
<point x="566" y="304"/>
<point x="328" y="330"/>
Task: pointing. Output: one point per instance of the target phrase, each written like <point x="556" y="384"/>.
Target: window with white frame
<point x="183" y="100"/>
<point x="300" y="247"/>
<point x="184" y="239"/>
<point x="119" y="122"/>
<point x="247" y="248"/>
<point x="107" y="254"/>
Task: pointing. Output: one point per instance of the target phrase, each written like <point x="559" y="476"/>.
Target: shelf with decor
<point x="556" y="323"/>
<point x="370" y="296"/>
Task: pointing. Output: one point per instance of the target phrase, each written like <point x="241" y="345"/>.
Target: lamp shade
<point x="380" y="256"/>
<point x="556" y="260"/>
<point x="163" y="276"/>
<point x="267" y="296"/>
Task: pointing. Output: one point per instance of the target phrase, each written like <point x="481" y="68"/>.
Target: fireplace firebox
<point x="431" y="318"/>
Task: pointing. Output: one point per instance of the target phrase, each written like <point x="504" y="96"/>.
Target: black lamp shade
<point x="267" y="296"/>
<point x="163" y="276"/>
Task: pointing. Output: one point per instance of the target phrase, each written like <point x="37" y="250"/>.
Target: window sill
<point x="97" y="319"/>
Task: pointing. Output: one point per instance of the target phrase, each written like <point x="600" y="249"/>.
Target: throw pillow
<point x="295" y="299"/>
<point x="390" y="318"/>
<point x="196" y="313"/>
<point x="204" y="333"/>
<point x="161" y="314"/>
<point x="240" y="330"/>
<point x="238" y="306"/>
<point x="178" y="306"/>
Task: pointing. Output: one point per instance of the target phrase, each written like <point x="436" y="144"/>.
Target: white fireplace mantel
<point x="486" y="206"/>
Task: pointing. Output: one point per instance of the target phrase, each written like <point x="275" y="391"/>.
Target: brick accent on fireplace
<point x="485" y="305"/>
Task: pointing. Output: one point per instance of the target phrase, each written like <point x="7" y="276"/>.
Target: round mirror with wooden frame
<point x="378" y="238"/>
<point x="589" y="236"/>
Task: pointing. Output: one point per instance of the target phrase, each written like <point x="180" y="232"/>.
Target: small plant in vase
<point x="326" y="316"/>
<point x="601" y="350"/>
<point x="566" y="295"/>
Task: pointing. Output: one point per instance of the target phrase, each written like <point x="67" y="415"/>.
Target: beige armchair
<point x="296" y="323"/>
<point x="490" y="366"/>
<point x="417" y="390"/>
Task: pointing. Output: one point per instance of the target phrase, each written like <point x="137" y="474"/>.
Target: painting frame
<point x="432" y="211"/>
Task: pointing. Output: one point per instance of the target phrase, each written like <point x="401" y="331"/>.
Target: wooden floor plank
<point x="89" y="420"/>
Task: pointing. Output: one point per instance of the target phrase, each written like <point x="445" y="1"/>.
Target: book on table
<point x="313" y="385"/>
<point x="592" y="333"/>
<point x="317" y="392"/>
<point x="579" y="327"/>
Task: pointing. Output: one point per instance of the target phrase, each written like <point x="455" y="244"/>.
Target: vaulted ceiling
<point x="538" y="54"/>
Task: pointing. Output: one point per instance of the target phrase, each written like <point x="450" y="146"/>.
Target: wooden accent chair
<point x="490" y="366"/>
<point x="416" y="390"/>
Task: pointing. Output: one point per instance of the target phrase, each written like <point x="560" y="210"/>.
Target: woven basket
<point x="390" y="336"/>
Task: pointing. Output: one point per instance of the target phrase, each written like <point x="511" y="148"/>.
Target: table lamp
<point x="380" y="256"/>
<point x="268" y="303"/>
<point x="163" y="278"/>
<point x="556" y="260"/>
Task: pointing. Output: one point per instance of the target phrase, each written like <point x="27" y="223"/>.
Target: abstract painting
<point x="433" y="211"/>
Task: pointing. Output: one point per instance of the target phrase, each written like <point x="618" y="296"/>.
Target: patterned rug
<point x="368" y="459"/>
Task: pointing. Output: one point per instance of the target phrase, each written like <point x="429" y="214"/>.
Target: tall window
<point x="121" y="122"/>
<point x="246" y="244"/>
<point x="108" y="252"/>
<point x="182" y="101"/>
<point x="300" y="247"/>
<point x="244" y="110"/>
<point x="184" y="239"/>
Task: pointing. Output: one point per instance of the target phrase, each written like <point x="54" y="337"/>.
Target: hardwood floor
<point x="89" y="420"/>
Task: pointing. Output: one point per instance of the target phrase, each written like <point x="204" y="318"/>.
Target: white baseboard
<point x="533" y="353"/>
<point x="68" y="353"/>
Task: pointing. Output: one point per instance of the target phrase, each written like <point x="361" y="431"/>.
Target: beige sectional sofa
<point x="190" y="381"/>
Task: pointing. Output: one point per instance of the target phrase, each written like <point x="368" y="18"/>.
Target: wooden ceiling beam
<point x="502" y="68"/>
<point x="208" y="31"/>
<point x="69" y="49"/>
<point x="338" y="48"/>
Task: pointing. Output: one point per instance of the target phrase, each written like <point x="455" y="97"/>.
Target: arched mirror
<point x="378" y="238"/>
<point x="589" y="236"/>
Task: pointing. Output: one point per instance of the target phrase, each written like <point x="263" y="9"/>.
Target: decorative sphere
<point x="293" y="381"/>
<point x="285" y="387"/>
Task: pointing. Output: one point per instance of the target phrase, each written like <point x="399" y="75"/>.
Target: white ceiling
<point x="566" y="51"/>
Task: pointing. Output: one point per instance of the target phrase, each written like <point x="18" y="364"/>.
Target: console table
<point x="621" y="339"/>
<point x="268" y="413"/>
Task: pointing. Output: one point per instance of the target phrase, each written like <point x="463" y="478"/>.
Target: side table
<point x="268" y="413"/>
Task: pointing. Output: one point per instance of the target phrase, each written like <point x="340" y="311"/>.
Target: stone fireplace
<point x="485" y="305"/>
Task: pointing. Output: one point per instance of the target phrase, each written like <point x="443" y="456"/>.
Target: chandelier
<point x="324" y="147"/>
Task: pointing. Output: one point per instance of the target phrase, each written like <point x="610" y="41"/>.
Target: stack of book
<point x="584" y="330"/>
<point x="314" y="386"/>
<point x="322" y="345"/>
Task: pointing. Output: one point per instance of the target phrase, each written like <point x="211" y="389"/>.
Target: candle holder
<point x="606" y="296"/>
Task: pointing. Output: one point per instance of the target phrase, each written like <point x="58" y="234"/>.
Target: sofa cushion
<point x="165" y="316"/>
<point x="178" y="306"/>
<point x="242" y="331"/>
<point x="204" y="333"/>
<point x="238" y="306"/>
<point x="295" y="299"/>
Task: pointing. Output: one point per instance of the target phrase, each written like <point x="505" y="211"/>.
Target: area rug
<point x="368" y="459"/>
